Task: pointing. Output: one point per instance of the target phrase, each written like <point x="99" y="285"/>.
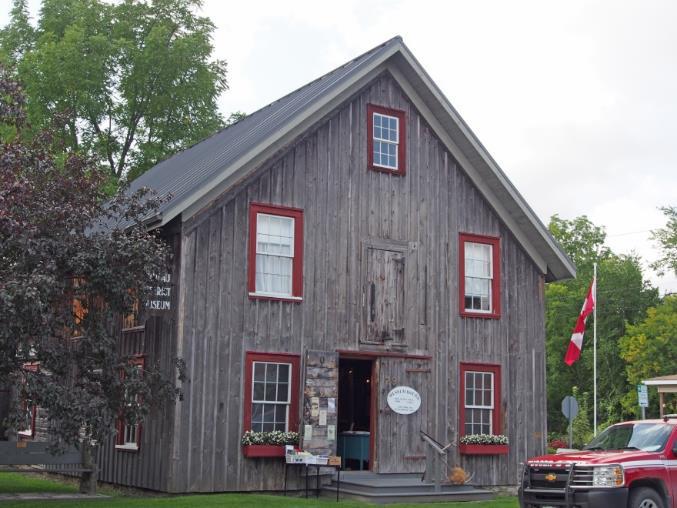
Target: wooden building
<point x="352" y="237"/>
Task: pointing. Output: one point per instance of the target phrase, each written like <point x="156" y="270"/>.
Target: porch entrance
<point x="356" y="413"/>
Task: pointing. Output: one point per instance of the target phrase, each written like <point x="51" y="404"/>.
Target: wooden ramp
<point x="400" y="488"/>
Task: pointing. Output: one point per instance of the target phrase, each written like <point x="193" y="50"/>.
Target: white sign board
<point x="643" y="395"/>
<point x="404" y="400"/>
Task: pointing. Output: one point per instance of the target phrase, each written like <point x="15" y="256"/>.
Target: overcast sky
<point x="576" y="100"/>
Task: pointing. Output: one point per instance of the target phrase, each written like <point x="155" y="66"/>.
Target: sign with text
<point x="161" y="294"/>
<point x="643" y="395"/>
<point x="404" y="400"/>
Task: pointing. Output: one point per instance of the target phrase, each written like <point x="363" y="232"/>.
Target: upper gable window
<point x="479" y="288"/>
<point x="275" y="252"/>
<point x="386" y="146"/>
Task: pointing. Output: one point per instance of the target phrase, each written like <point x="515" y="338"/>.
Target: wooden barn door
<point x="399" y="448"/>
<point x="320" y="402"/>
<point x="385" y="295"/>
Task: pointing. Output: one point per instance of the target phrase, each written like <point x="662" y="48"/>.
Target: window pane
<point x="283" y="373"/>
<point x="257" y="413"/>
<point x="487" y="398"/>
<point x="258" y="391"/>
<point x="282" y="392"/>
<point x="270" y="391"/>
<point x="281" y="413"/>
<point x="259" y="371"/>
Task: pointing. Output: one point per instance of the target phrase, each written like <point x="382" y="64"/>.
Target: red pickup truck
<point x="630" y="464"/>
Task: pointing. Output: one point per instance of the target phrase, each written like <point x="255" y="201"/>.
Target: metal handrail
<point x="441" y="453"/>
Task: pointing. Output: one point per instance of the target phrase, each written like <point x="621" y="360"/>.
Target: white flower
<point x="484" y="439"/>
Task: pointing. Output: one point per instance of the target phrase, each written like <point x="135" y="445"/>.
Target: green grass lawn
<point x="24" y="483"/>
<point x="18" y="483"/>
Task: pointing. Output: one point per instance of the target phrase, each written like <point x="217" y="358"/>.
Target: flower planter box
<point x="483" y="449"/>
<point x="253" y="451"/>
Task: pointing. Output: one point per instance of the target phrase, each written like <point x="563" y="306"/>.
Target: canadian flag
<point x="576" y="343"/>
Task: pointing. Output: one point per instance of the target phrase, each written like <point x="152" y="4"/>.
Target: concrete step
<point x="400" y="488"/>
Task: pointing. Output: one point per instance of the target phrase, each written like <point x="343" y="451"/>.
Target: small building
<point x="664" y="384"/>
<point x="348" y="239"/>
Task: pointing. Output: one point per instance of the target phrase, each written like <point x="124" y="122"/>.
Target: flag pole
<point x="594" y="350"/>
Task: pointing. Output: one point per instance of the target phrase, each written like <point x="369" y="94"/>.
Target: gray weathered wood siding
<point x="346" y="209"/>
<point x="155" y="339"/>
<point x="148" y="467"/>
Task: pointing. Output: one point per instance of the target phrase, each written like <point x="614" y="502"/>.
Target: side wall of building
<point x="346" y="209"/>
<point x="154" y="340"/>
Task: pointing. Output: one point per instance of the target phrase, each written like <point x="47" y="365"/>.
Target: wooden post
<point x="88" y="478"/>
<point x="661" y="403"/>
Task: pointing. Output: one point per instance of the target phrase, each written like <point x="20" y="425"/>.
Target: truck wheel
<point x="645" y="497"/>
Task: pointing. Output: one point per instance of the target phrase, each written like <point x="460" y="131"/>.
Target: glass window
<point x="386" y="140"/>
<point x="274" y="254"/>
<point x="479" y="402"/>
<point x="129" y="430"/>
<point x="271" y="396"/>
<point x="478" y="277"/>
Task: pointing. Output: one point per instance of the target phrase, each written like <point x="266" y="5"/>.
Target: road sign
<point x="569" y="407"/>
<point x="643" y="395"/>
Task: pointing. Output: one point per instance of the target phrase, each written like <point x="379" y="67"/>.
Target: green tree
<point x="667" y="242"/>
<point x="649" y="349"/>
<point x="623" y="295"/>
<point x="134" y="80"/>
<point x="71" y="263"/>
<point x="18" y="36"/>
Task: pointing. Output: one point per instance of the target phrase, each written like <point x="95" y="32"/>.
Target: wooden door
<point x="385" y="295"/>
<point x="399" y="448"/>
<point x="320" y="402"/>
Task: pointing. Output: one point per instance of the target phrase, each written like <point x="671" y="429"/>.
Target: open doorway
<point x="355" y="415"/>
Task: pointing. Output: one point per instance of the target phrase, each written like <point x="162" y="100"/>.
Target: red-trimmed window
<point x="271" y="392"/>
<point x="479" y="276"/>
<point x="386" y="139"/>
<point x="28" y="409"/>
<point x="480" y="399"/>
<point x="129" y="432"/>
<point x="275" y="252"/>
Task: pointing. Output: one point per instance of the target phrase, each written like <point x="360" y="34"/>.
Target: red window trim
<point x="401" y="142"/>
<point x="295" y="361"/>
<point x="495" y="243"/>
<point x="297" y="264"/>
<point x="120" y="423"/>
<point x="30" y="367"/>
<point x="481" y="367"/>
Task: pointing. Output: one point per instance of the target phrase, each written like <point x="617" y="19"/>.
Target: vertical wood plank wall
<point x="149" y="467"/>
<point x="345" y="205"/>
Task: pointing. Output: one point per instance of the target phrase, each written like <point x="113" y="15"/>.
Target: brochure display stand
<point x="316" y="461"/>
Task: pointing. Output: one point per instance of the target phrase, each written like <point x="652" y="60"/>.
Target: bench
<point x="29" y="453"/>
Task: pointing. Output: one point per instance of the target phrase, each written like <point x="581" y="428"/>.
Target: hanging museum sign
<point x="404" y="400"/>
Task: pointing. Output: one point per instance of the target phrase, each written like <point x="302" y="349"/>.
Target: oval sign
<point x="404" y="400"/>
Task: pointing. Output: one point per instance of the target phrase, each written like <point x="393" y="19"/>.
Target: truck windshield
<point x="650" y="437"/>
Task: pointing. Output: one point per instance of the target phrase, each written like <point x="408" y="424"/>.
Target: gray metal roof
<point x="183" y="173"/>
<point x="207" y="169"/>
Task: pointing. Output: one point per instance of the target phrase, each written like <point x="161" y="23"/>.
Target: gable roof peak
<point x="199" y="174"/>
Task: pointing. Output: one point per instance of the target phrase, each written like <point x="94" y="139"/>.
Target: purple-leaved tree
<point x="72" y="262"/>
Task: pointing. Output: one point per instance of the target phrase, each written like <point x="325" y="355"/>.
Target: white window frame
<point x="277" y="403"/>
<point x="490" y="278"/>
<point x="272" y="294"/>
<point x="386" y="141"/>
<point x="131" y="428"/>
<point x="479" y="406"/>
